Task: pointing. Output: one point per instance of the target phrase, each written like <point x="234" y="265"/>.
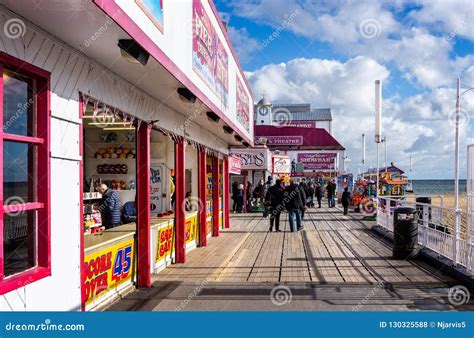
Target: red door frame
<point x="215" y="196"/>
<point x="81" y="206"/>
<point x="143" y="205"/>
<point x="180" y="212"/>
<point x="202" y="185"/>
<point x="226" y="197"/>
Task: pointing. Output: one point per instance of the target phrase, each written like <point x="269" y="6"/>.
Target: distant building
<point x="292" y="115"/>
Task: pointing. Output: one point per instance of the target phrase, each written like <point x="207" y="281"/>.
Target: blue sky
<point x="329" y="53"/>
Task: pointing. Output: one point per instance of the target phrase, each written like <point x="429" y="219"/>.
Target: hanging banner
<point x="210" y="59"/>
<point x="242" y="104"/>
<point x="106" y="269"/>
<point x="281" y="164"/>
<point x="235" y="165"/>
<point x="317" y="161"/>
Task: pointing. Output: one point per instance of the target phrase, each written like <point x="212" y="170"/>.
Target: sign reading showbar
<point x="282" y="140"/>
<point x="317" y="161"/>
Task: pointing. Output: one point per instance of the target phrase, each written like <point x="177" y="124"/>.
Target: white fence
<point x="436" y="227"/>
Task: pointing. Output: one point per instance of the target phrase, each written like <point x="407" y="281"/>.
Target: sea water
<point x="437" y="187"/>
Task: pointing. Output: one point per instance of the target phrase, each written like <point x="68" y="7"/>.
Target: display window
<point x="25" y="177"/>
<point x="209" y="204"/>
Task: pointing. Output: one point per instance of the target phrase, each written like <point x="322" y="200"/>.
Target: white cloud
<point x="245" y="46"/>
<point x="420" y="124"/>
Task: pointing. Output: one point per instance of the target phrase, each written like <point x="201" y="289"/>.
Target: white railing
<point x="436" y="226"/>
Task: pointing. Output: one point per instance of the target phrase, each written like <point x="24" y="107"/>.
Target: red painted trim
<point x="215" y="196"/>
<point x="13" y="208"/>
<point x="202" y="185"/>
<point x="81" y="206"/>
<point x="133" y="29"/>
<point x="143" y="207"/>
<point x="180" y="211"/>
<point x="23" y="279"/>
<point x="23" y="139"/>
<point x="42" y="173"/>
<point x="226" y="196"/>
<point x="1" y="173"/>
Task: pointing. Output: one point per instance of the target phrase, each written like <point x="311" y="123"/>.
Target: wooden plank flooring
<point x="332" y="249"/>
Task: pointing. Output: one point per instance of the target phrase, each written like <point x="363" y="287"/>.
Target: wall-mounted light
<point x="246" y="144"/>
<point x="186" y="95"/>
<point x="228" y="130"/>
<point x="238" y="138"/>
<point x="211" y="116"/>
<point x="133" y="52"/>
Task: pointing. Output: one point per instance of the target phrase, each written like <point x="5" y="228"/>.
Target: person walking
<point x="248" y="196"/>
<point x="235" y="189"/>
<point x="240" y="198"/>
<point x="310" y="195"/>
<point x="319" y="194"/>
<point x="295" y="198"/>
<point x="330" y="194"/>
<point x="274" y="201"/>
<point x="304" y="188"/>
<point x="346" y="200"/>
<point x="109" y="207"/>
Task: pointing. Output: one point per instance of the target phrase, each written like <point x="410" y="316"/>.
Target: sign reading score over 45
<point x="106" y="269"/>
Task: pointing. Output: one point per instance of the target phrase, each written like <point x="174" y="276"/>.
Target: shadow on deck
<point x="336" y="263"/>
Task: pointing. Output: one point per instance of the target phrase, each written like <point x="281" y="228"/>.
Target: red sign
<point x="235" y="165"/>
<point x="242" y="101"/>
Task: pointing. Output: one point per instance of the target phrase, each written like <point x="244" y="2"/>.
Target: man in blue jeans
<point x="295" y="199"/>
<point x="331" y="189"/>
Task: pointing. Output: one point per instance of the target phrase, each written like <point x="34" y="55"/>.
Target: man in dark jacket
<point x="319" y="194"/>
<point x="330" y="193"/>
<point x="274" y="200"/>
<point x="295" y="201"/>
<point x="346" y="200"/>
<point x="109" y="207"/>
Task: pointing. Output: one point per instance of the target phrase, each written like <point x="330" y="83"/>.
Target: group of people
<point x="295" y="198"/>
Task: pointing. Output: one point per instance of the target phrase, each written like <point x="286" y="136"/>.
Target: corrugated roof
<point x="302" y="112"/>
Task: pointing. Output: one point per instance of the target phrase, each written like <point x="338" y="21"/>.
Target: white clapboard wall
<point x="71" y="73"/>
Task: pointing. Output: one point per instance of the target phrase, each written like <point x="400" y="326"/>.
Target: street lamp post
<point x="378" y="124"/>
<point x="384" y="141"/>
<point x="457" y="224"/>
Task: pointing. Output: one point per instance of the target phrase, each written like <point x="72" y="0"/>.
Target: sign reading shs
<point x="106" y="269"/>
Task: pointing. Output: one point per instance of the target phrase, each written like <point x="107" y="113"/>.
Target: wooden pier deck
<point x="336" y="263"/>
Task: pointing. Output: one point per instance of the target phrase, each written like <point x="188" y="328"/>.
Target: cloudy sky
<point x="330" y="52"/>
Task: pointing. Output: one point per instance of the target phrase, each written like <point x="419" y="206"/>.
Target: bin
<point x="405" y="233"/>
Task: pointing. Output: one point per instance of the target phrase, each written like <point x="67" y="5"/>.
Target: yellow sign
<point x="191" y="229"/>
<point x="165" y="242"/>
<point x="107" y="268"/>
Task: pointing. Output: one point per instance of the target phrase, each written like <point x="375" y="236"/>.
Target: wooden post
<point x="226" y="197"/>
<point x="215" y="196"/>
<point x="180" y="210"/>
<point x="202" y="185"/>
<point x="143" y="206"/>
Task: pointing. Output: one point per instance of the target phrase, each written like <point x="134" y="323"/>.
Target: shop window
<point x="24" y="143"/>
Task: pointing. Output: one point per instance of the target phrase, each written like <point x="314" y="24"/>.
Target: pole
<point x="457" y="228"/>
<point x="385" y="160"/>
<point x="363" y="153"/>
<point x="378" y="169"/>
<point x="378" y="124"/>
